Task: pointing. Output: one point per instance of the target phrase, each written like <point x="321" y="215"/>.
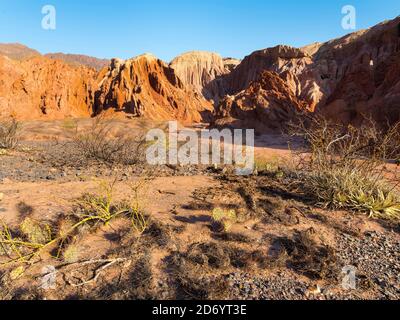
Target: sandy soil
<point x="283" y="247"/>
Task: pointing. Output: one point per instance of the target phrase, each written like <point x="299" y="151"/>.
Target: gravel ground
<point x="278" y="287"/>
<point x="376" y="258"/>
<point x="375" y="255"/>
<point x="50" y="161"/>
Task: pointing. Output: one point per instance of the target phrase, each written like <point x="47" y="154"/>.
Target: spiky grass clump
<point x="271" y="165"/>
<point x="354" y="190"/>
<point x="343" y="167"/>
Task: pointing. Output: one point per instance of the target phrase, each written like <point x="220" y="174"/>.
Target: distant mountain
<point x="79" y="59"/>
<point x="347" y="79"/>
<point x="17" y="51"/>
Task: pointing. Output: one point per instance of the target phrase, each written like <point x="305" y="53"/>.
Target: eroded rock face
<point x="41" y="88"/>
<point x="365" y="79"/>
<point x="267" y="104"/>
<point x="347" y="79"/>
<point x="202" y="72"/>
<point x="147" y="87"/>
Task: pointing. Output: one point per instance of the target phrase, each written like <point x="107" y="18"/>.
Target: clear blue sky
<point x="126" y="28"/>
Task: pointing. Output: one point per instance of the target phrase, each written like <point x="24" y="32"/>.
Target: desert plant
<point x="262" y="164"/>
<point x="36" y="232"/>
<point x="34" y="237"/>
<point x="103" y="208"/>
<point x="72" y="253"/>
<point x="341" y="167"/>
<point x="224" y="218"/>
<point x="138" y="219"/>
<point x="9" y="134"/>
<point x="19" y="249"/>
<point x="353" y="190"/>
<point x="97" y="143"/>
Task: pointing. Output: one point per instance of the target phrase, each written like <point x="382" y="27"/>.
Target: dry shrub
<point x="9" y="134"/>
<point x="191" y="278"/>
<point x="97" y="143"/>
<point x="343" y="167"/>
<point x="307" y="257"/>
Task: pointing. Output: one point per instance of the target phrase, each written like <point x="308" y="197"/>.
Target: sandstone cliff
<point x="202" y="72"/>
<point x="147" y="87"/>
<point x="267" y="104"/>
<point x="41" y="88"/>
<point x="346" y="79"/>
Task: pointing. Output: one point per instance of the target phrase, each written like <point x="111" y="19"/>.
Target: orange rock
<point x="147" y="87"/>
<point x="267" y="104"/>
<point x="202" y="72"/>
<point x="41" y="88"/>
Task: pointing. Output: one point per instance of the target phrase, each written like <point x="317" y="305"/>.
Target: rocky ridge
<point x="147" y="87"/>
<point x="41" y="88"/>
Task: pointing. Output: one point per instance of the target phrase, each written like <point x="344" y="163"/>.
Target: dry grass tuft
<point x="307" y="257"/>
<point x="9" y="134"/>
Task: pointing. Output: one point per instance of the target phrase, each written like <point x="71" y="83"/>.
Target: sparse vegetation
<point x="223" y="219"/>
<point x="264" y="165"/>
<point x="97" y="143"/>
<point x="102" y="208"/>
<point x="32" y="237"/>
<point x="343" y="167"/>
<point x="9" y="134"/>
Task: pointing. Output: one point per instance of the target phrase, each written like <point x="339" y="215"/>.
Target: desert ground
<point x="280" y="245"/>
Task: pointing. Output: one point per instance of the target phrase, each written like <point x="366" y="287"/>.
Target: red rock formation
<point x="41" y="88"/>
<point x="367" y="76"/>
<point x="267" y="104"/>
<point x="346" y="79"/>
<point x="202" y="71"/>
<point x="147" y="87"/>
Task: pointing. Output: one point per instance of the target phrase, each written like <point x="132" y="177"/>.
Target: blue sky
<point x="166" y="28"/>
